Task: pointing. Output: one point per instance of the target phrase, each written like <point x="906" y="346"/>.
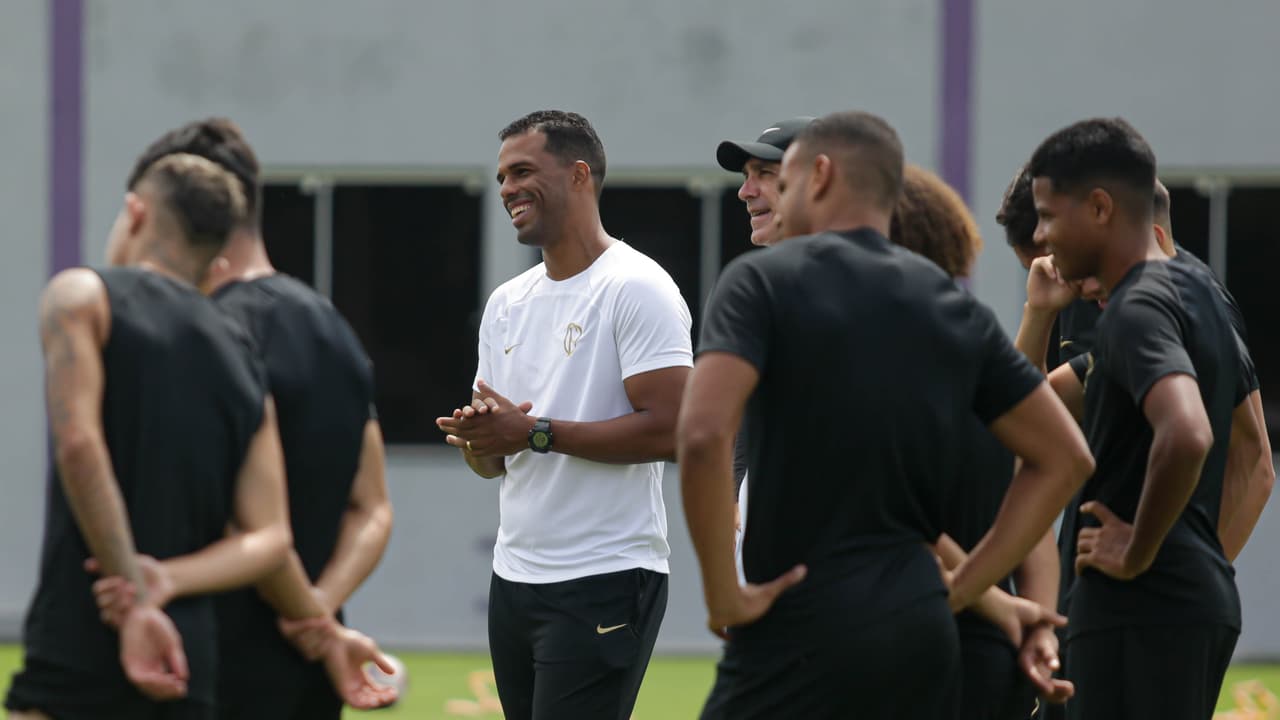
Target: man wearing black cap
<point x="758" y="162"/>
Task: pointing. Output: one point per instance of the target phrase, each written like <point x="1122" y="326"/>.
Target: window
<point x="666" y="225"/>
<point x="1251" y="249"/>
<point x="406" y="264"/>
<point x="289" y="229"/>
<point x="1189" y="215"/>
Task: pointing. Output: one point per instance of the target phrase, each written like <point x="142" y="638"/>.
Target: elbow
<point x="693" y="442"/>
<point x="1266" y="478"/>
<point x="75" y="450"/>
<point x="277" y="541"/>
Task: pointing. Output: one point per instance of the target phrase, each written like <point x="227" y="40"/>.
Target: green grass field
<point x="441" y="686"/>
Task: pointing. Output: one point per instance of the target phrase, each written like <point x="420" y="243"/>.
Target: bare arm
<point x="1055" y="463"/>
<point x="494" y="427"/>
<point x="263" y="539"/>
<point x="1038" y="576"/>
<point x="1181" y="439"/>
<point x="709" y="419"/>
<point x="75" y="320"/>
<point x="1249" y="477"/>
<point x="366" y="525"/>
<point x="1034" y="334"/>
<point x="486" y="466"/>
<point x="1070" y="390"/>
<point x="642" y="436"/>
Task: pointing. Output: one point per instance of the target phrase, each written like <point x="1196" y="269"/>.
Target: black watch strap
<point x="540" y="437"/>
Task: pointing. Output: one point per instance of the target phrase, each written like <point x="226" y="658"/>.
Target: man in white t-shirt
<point x="594" y="346"/>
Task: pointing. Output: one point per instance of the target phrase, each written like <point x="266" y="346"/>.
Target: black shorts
<point x="900" y="667"/>
<point x="289" y="690"/>
<point x="1160" y="672"/>
<point x="66" y="694"/>
<point x="992" y="687"/>
<point x="574" y="649"/>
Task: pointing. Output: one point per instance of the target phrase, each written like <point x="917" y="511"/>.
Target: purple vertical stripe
<point x="956" y="118"/>
<point x="66" y="131"/>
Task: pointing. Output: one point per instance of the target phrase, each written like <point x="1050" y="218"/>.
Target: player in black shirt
<point x="1154" y="612"/>
<point x="156" y="409"/>
<point x="339" y="509"/>
<point x="858" y="359"/>
<point x="932" y="220"/>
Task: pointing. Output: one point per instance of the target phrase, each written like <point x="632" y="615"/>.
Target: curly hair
<point x="931" y="219"/>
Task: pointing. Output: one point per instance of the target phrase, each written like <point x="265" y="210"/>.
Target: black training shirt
<point x="183" y="398"/>
<point x="1163" y="318"/>
<point x="322" y="382"/>
<point x="873" y="364"/>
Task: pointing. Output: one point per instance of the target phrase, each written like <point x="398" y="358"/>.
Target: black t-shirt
<point x="1163" y="318"/>
<point x="873" y="365"/>
<point x="322" y="382"/>
<point x="984" y="472"/>
<point x="182" y="399"/>
<point x="1248" y="376"/>
<point x="1076" y="327"/>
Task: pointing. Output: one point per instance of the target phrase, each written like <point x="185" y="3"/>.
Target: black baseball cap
<point x="733" y="156"/>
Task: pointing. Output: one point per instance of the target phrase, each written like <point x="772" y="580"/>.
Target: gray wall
<point x="411" y="87"/>
<point x="23" y="180"/>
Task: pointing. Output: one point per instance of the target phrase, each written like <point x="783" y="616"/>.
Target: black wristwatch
<point x="540" y="436"/>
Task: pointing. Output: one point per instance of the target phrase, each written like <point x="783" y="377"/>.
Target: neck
<point x="165" y="261"/>
<point x="847" y="213"/>
<point x="1137" y="246"/>
<point x="577" y="246"/>
<point x="246" y="258"/>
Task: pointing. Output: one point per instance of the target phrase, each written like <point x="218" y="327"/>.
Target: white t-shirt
<point x="566" y="346"/>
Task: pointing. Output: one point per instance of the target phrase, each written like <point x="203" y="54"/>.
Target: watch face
<point x="540" y="440"/>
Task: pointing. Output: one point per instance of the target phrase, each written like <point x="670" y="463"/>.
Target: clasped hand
<point x="491" y="426"/>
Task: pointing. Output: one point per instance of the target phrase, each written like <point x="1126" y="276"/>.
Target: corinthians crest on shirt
<point x="572" y="334"/>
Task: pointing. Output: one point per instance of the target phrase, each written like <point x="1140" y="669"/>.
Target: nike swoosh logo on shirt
<point x="601" y="630"/>
<point x="507" y="350"/>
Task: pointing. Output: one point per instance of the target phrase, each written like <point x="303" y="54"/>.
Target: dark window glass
<point x="1252" y="248"/>
<point x="1189" y="213"/>
<point x="289" y="229"/>
<point x="406" y="274"/>
<point x="663" y="223"/>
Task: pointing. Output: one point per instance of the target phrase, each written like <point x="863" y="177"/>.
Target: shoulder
<point x="627" y="272"/>
<point x="76" y="293"/>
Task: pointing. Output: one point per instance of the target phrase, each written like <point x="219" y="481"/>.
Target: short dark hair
<point x="218" y="140"/>
<point x="932" y="220"/>
<point x="570" y="137"/>
<point x="875" y="166"/>
<point x="205" y="199"/>
<point x="1100" y="152"/>
<point x="1017" y="213"/>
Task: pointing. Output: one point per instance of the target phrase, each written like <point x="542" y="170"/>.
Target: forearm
<point x="94" y="497"/>
<point x="634" y="438"/>
<point x="1234" y="530"/>
<point x="707" y="490"/>
<point x="1248" y="479"/>
<point x="361" y="541"/>
<point x="1035" y="497"/>
<point x="1173" y="470"/>
<point x="952" y="555"/>
<point x="288" y="591"/>
<point x="235" y="561"/>
<point x="1034" y="335"/>
<point x="1037" y="578"/>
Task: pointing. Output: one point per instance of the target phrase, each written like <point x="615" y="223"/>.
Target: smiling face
<point x="760" y="192"/>
<point x="1067" y="229"/>
<point x="534" y="185"/>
